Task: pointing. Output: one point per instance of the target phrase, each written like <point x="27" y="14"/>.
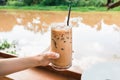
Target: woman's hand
<point x="8" y="66"/>
<point x="45" y="59"/>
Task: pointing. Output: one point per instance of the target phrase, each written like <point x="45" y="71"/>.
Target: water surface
<point x="96" y="35"/>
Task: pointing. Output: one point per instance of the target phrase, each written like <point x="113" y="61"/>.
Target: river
<point x="96" y="35"/>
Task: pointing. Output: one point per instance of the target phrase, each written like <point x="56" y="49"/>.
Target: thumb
<point x="52" y="55"/>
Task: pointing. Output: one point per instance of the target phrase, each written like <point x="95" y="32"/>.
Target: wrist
<point x="33" y="61"/>
<point x="37" y="60"/>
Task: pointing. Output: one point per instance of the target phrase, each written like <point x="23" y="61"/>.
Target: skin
<point x="8" y="66"/>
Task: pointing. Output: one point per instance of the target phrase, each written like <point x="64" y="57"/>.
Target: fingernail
<point x="57" y="55"/>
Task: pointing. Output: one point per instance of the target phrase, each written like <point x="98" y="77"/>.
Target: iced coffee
<point x="61" y="42"/>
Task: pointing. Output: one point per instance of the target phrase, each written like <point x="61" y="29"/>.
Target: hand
<point x="8" y="66"/>
<point x="45" y="59"/>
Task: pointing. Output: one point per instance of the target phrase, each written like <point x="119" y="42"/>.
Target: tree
<point x="2" y="2"/>
<point x="36" y="1"/>
<point x="53" y="2"/>
<point x="28" y="2"/>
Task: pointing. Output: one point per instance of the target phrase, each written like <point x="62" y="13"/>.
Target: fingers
<point x="52" y="55"/>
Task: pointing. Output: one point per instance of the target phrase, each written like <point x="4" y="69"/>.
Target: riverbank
<point x="59" y="8"/>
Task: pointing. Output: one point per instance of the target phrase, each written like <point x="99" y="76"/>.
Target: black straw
<point x="69" y="14"/>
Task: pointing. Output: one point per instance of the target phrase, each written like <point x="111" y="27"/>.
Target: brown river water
<point x="8" y="18"/>
<point x="96" y="35"/>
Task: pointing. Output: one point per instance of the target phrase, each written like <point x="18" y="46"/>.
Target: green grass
<point x="59" y="8"/>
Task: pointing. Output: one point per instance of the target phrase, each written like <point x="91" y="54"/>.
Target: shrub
<point x="15" y="3"/>
<point x="28" y="2"/>
<point x="4" y="45"/>
<point x="47" y="2"/>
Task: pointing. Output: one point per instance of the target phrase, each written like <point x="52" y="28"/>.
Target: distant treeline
<point x="96" y="3"/>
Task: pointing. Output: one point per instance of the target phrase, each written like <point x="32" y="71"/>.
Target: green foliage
<point x="52" y="2"/>
<point x="2" y="2"/>
<point x="11" y="52"/>
<point x="77" y="5"/>
<point x="100" y="3"/>
<point x="36" y="1"/>
<point x="15" y="3"/>
<point x="28" y="2"/>
<point x="92" y="3"/>
<point x="8" y="47"/>
<point x="4" y="45"/>
<point x="82" y="3"/>
<point x="47" y="2"/>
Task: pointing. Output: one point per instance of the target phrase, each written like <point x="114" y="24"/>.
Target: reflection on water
<point x="93" y="46"/>
<point x="90" y="44"/>
<point x="28" y="18"/>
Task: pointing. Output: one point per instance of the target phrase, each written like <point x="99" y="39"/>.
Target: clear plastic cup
<point x="61" y="42"/>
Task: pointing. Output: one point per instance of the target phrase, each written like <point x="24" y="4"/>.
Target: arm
<point x="12" y="65"/>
